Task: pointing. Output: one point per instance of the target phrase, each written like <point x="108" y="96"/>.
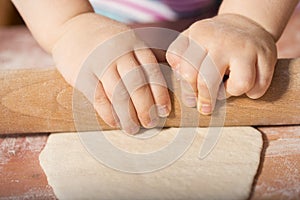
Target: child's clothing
<point x="145" y="11"/>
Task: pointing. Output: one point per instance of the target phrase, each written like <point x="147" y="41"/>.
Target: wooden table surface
<point x="21" y="176"/>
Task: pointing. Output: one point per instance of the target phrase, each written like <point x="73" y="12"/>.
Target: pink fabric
<point x="188" y="5"/>
<point x="157" y="15"/>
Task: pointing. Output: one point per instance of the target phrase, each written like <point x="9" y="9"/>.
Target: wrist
<point x="79" y="37"/>
<point x="271" y="15"/>
<point x="244" y="21"/>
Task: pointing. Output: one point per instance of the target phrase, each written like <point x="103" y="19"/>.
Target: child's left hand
<point x="227" y="44"/>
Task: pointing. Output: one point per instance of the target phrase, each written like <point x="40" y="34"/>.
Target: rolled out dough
<point x="226" y="173"/>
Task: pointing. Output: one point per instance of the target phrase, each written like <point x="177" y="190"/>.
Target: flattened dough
<point x="226" y="173"/>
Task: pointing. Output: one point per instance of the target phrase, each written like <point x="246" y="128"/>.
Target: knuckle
<point x="154" y="72"/>
<point x="202" y="84"/>
<point x="268" y="48"/>
<point x="205" y="27"/>
<point x="134" y="79"/>
<point x="143" y="89"/>
<point x="134" y="83"/>
<point x="147" y="54"/>
<point x="189" y="77"/>
<point x="121" y="95"/>
<point x="240" y="87"/>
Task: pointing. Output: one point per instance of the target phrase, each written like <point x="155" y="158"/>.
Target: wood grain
<point x="39" y="100"/>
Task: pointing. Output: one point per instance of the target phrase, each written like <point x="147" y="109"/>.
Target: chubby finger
<point x="120" y="99"/>
<point x="93" y="90"/>
<point x="264" y="74"/>
<point x="208" y="84"/>
<point x="188" y="72"/>
<point x="86" y="83"/>
<point x="104" y="108"/>
<point x="176" y="49"/>
<point x="136" y="84"/>
<point x="242" y="75"/>
<point x="156" y="81"/>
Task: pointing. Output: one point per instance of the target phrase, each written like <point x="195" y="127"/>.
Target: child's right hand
<point x="142" y="96"/>
<point x="228" y="44"/>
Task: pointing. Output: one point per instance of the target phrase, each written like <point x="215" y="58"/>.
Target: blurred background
<point x="8" y="14"/>
<point x="288" y="45"/>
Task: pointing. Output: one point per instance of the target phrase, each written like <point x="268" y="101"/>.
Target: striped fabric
<point x="187" y="6"/>
<point x="144" y="11"/>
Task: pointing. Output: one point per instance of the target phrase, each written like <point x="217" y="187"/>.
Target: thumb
<point x="176" y="49"/>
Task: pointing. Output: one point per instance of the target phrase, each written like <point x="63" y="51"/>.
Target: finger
<point x="136" y="84"/>
<point x="120" y="99"/>
<point x="264" y="70"/>
<point x="222" y="93"/>
<point x="86" y="83"/>
<point x="92" y="89"/>
<point x="156" y="81"/>
<point x="209" y="80"/>
<point x="242" y="75"/>
<point x="176" y="49"/>
<point x="104" y="108"/>
<point x="188" y="71"/>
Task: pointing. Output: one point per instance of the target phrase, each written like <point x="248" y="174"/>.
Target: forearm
<point x="46" y="18"/>
<point x="272" y="15"/>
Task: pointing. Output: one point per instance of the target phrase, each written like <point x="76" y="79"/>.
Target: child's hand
<point x="130" y="90"/>
<point x="227" y="44"/>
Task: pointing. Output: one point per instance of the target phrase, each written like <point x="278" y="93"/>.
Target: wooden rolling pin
<point x="39" y="100"/>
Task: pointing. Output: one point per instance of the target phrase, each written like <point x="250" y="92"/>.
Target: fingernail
<point x="163" y="110"/>
<point x="153" y="123"/>
<point x="132" y="130"/>
<point x="190" y="101"/>
<point x="206" y="109"/>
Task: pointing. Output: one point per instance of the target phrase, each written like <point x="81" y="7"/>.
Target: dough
<point x="226" y="173"/>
